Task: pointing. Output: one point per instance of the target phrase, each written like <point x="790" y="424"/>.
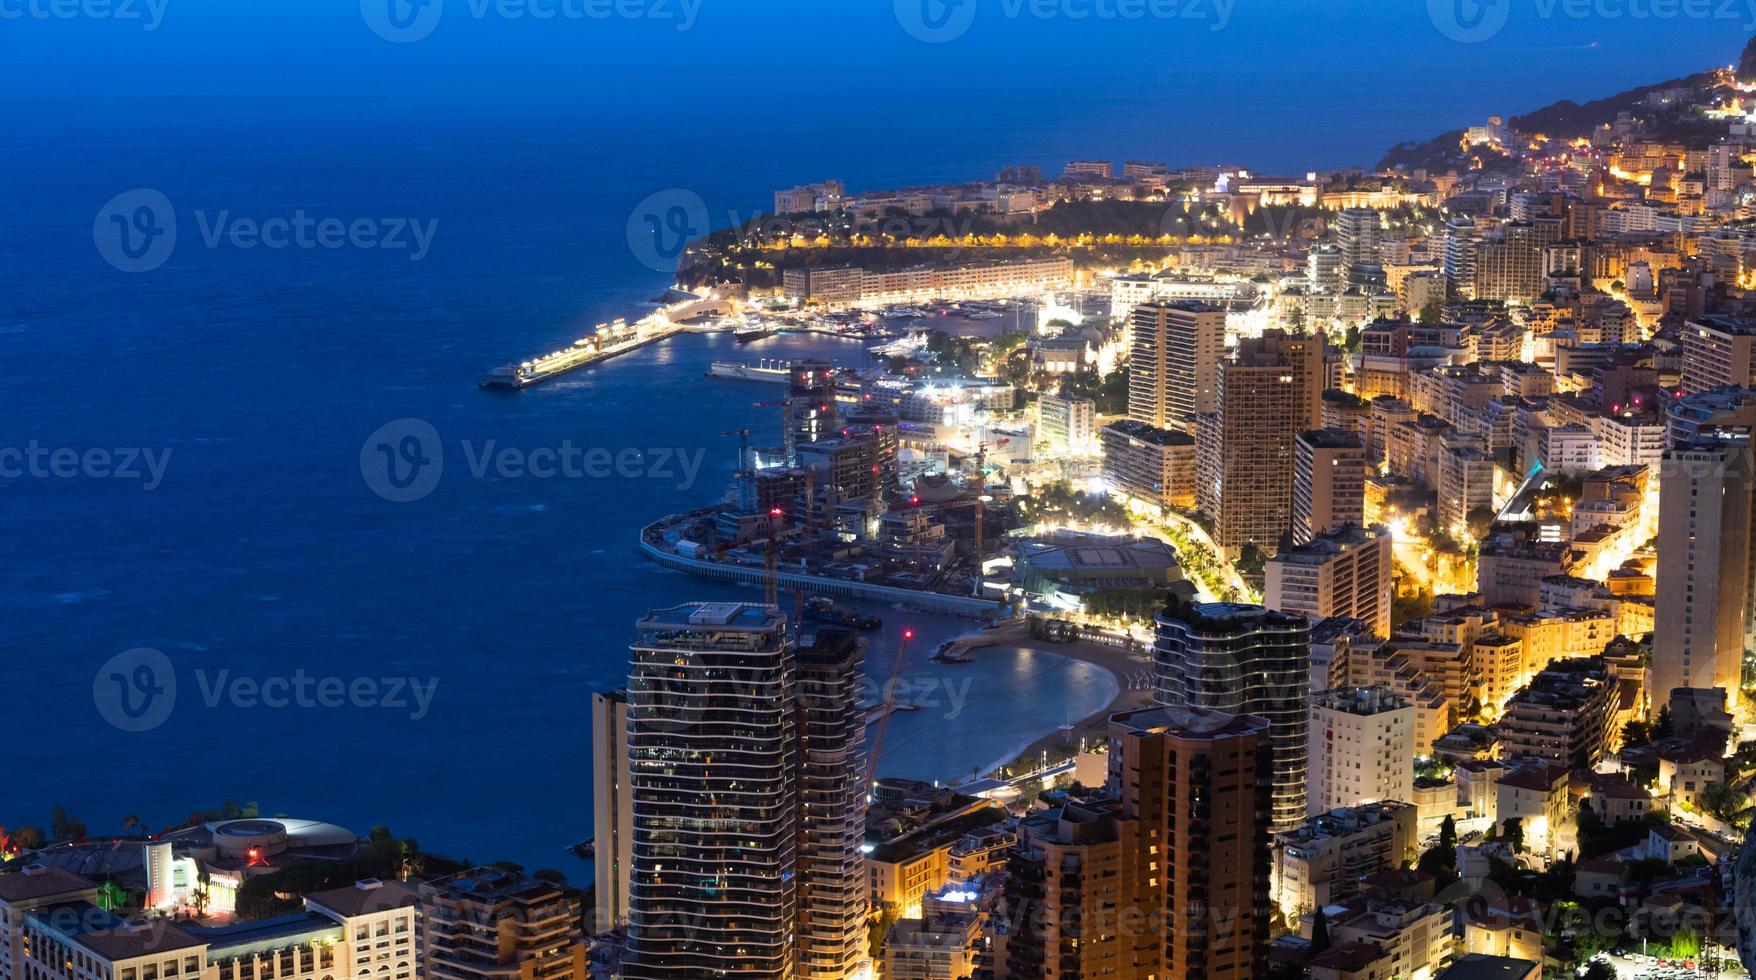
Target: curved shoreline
<point x="1133" y="690"/>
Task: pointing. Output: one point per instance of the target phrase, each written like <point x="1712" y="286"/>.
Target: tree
<point x="29" y="838"/>
<point x="66" y="826"/>
<point x="1319" y="932"/>
<point x="1480" y="521"/>
<point x="1448" y="832"/>
<point x="1727" y="803"/>
<point x="1515" y="833"/>
<point x="1432" y="313"/>
<point x="550" y="875"/>
<point x="1663" y="728"/>
<point x="1599" y="970"/>
<point x="1636" y="734"/>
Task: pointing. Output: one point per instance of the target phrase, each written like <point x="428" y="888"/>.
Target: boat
<point x="912" y="344"/>
<point x="903" y="313"/>
<point x="779" y="371"/>
<point x="983" y="315"/>
<point x="945" y="656"/>
<point x="586" y="849"/>
<point x="819" y="610"/>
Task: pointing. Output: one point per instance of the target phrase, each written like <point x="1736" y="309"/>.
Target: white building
<point x="1066" y="427"/>
<point x="1362" y="748"/>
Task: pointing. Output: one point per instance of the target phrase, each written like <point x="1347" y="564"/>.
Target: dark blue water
<point x="262" y="371"/>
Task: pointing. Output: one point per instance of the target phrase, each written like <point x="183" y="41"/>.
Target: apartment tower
<point x="1269" y="392"/>
<point x="1174" y="364"/>
<point x="1246" y="660"/>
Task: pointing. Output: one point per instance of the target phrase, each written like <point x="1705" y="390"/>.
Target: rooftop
<point x="38" y="882"/>
<point x="370" y="895"/>
<point x="1186" y="722"/>
<point x="1476" y="966"/>
<point x="110" y="936"/>
<point x="1151" y="434"/>
<point x="1331" y="439"/>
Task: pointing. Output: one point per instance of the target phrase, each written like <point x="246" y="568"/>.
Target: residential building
<point x="1167" y="875"/>
<point x="1329" y="481"/>
<point x="1322" y="859"/>
<point x="722" y="707"/>
<point x="1269" y="392"/>
<point x="1702" y="599"/>
<point x="1066" y="426"/>
<point x="1565" y="715"/>
<point x="1174" y="366"/>
<point x="1150" y="464"/>
<point x="612" y="809"/>
<point x="1243" y="659"/>
<point x="1342" y="572"/>
<point x="1718" y="352"/>
<point x="489" y="924"/>
<point x="1362" y="748"/>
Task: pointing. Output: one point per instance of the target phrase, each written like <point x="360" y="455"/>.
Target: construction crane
<point x="786" y="418"/>
<point x="771" y="571"/>
<point x="746" y="474"/>
<point x="886" y="711"/>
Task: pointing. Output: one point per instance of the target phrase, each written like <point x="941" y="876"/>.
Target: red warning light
<point x="908" y="634"/>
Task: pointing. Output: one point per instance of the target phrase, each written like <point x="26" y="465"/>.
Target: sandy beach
<point x="1132" y="673"/>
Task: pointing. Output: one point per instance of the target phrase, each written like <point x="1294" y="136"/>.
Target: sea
<point x="206" y="593"/>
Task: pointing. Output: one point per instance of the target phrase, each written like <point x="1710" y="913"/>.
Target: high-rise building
<point x="1344" y="572"/>
<point x="713" y="774"/>
<point x="1066" y="426"/>
<point x="1718" y="352"/>
<point x="832" y="810"/>
<point x="1270" y="391"/>
<point x="1462" y="242"/>
<point x="1362" y="748"/>
<point x="1150" y="464"/>
<point x="612" y="809"/>
<point x="1201" y="782"/>
<point x="1703" y="585"/>
<point x="1329" y="481"/>
<point x="1566" y="714"/>
<point x="1357" y="232"/>
<point x="747" y="789"/>
<point x="1165" y="874"/>
<point x="1173" y="368"/>
<point x="811" y="410"/>
<point x="1242" y="659"/>
<point x="489" y="924"/>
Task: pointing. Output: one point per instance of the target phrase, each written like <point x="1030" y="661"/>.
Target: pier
<point x="652" y="544"/>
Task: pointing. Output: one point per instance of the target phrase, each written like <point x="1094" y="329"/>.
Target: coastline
<point x="1133" y="690"/>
